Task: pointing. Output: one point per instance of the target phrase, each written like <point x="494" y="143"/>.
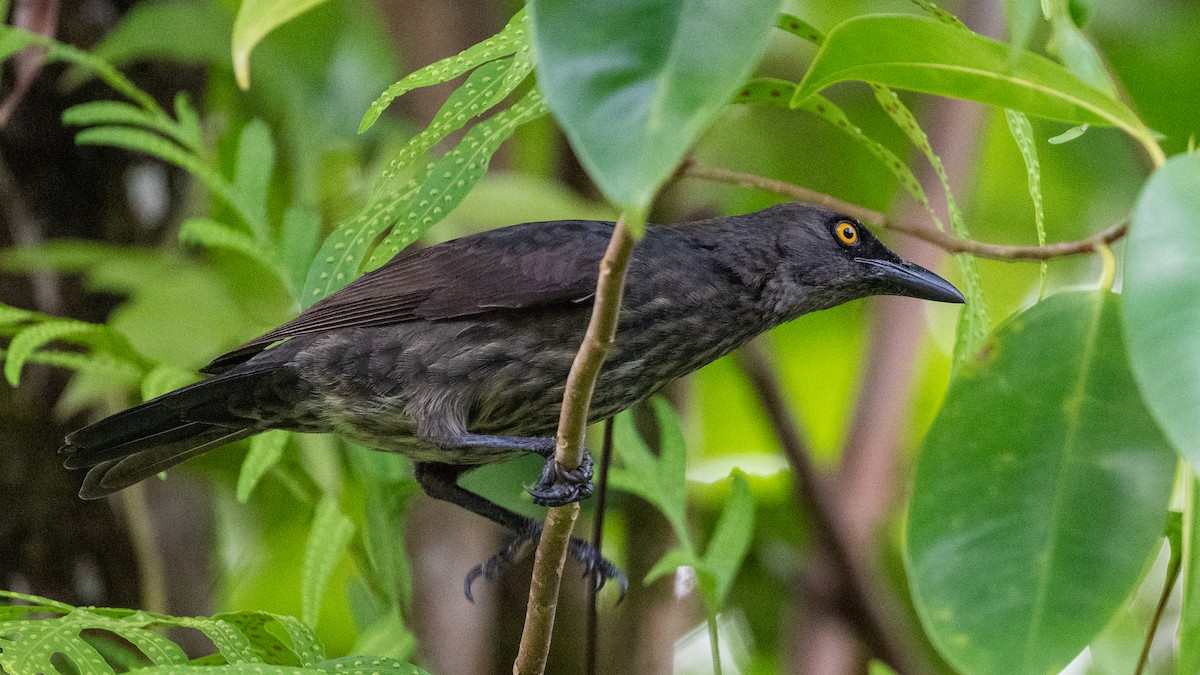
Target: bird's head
<point x="821" y="259"/>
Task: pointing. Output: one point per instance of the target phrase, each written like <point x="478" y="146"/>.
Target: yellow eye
<point x="846" y="233"/>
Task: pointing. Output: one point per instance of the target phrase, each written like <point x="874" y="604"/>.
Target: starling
<point x="456" y="355"/>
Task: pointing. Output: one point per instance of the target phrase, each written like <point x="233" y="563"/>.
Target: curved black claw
<point x="594" y="564"/>
<point x="502" y="561"/>
<point x="559" y="487"/>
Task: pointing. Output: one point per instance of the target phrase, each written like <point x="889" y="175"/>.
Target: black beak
<point x="914" y="281"/>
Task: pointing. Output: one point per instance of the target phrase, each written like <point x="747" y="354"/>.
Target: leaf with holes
<point x="800" y="28"/>
<point x="508" y="41"/>
<point x="341" y="255"/>
<point x="453" y="176"/>
<point x="1022" y="133"/>
<point x="487" y="85"/>
<point x="1041" y="492"/>
<point x="973" y="322"/>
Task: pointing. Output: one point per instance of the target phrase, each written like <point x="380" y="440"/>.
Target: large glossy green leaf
<point x="632" y="82"/>
<point x="1162" y="300"/>
<point x="926" y="55"/>
<point x="1040" y="494"/>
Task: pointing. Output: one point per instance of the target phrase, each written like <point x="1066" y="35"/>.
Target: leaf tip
<point x="241" y="69"/>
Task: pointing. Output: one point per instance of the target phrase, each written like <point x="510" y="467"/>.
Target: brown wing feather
<point x="522" y="266"/>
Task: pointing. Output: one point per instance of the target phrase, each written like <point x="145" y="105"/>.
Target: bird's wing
<point x="523" y="266"/>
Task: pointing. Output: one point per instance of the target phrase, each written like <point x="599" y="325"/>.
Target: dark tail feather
<point x="137" y="443"/>
<point x="117" y="474"/>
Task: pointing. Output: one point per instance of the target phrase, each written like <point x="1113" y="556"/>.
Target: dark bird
<point x="457" y="355"/>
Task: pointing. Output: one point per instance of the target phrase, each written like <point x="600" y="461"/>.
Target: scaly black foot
<point x="594" y="564"/>
<point x="559" y="487"/>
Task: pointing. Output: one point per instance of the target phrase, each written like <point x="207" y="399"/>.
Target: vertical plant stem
<point x="152" y="578"/>
<point x="581" y="382"/>
<point x="1168" y="584"/>
<point x="714" y="640"/>
<point x="593" y="627"/>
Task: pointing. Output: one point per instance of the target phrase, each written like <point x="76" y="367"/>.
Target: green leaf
<point x="830" y="112"/>
<point x="252" y="179"/>
<point x="1189" y="613"/>
<point x="778" y="93"/>
<point x="256" y="18"/>
<point x="1022" y="133"/>
<point x="165" y="378"/>
<point x="250" y="642"/>
<point x="768" y="91"/>
<point x="1023" y="17"/>
<point x="1068" y="135"/>
<point x="1040" y="494"/>
<point x="150" y="30"/>
<point x="487" y="85"/>
<point x="671" y="561"/>
<point x="973" y="322"/>
<point x="266" y="449"/>
<point x="389" y="487"/>
<point x="730" y="542"/>
<point x="96" y="113"/>
<point x="1162" y="300"/>
<point x="660" y="480"/>
<point x="350" y="665"/>
<point x="799" y="27"/>
<point x="139" y="140"/>
<point x="29" y="339"/>
<point x="188" y="122"/>
<point x="338" y="261"/>
<point x="214" y="235"/>
<point x="14" y="315"/>
<point x="328" y="536"/>
<point x="453" y="176"/>
<point x="387" y="636"/>
<point x="508" y="41"/>
<point x="298" y="243"/>
<point x="634" y="82"/>
<point x="911" y="52"/>
<point x="1074" y="49"/>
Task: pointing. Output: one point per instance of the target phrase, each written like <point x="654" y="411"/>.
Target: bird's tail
<point x="140" y="442"/>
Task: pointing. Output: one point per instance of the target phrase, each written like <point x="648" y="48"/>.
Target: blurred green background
<point x="91" y="232"/>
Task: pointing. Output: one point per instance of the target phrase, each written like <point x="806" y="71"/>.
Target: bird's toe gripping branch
<point x="558" y="486"/>
<point x="594" y="564"/>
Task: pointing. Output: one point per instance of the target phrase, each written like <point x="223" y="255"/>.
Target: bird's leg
<point x="556" y="486"/>
<point x="440" y="481"/>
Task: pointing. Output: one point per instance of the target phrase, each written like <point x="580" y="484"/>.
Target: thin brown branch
<point x="946" y="242"/>
<point x="864" y="606"/>
<point x="1169" y="583"/>
<point x="581" y="382"/>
